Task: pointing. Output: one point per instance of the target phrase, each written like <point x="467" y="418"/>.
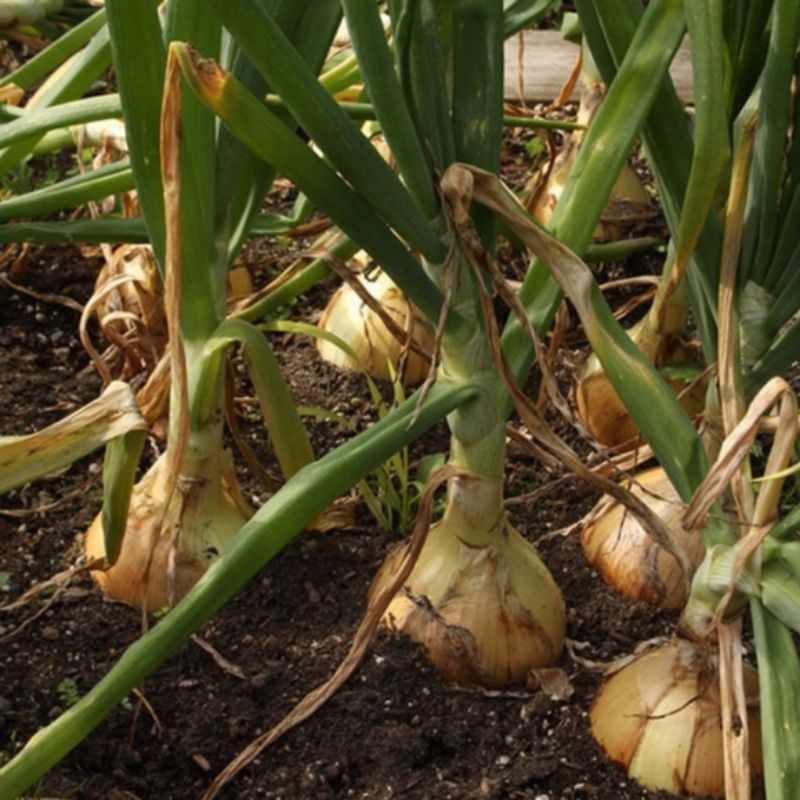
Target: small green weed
<point x="67" y="691"/>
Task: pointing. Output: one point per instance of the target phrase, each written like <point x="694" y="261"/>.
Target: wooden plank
<point x="546" y="60"/>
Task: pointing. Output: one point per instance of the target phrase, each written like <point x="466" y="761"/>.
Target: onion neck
<point x="205" y="386"/>
<point x="478" y="438"/>
<point x="667" y="314"/>
<point x="478" y="449"/>
<point x="474" y="510"/>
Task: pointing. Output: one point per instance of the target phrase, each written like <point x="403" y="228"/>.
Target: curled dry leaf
<point x="26" y="458"/>
<point x="128" y="304"/>
<point x="736" y="448"/>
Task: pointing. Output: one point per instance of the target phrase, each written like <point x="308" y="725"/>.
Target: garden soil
<point x="394" y="730"/>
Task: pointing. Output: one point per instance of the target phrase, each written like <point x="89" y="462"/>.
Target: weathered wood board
<point x="547" y="59"/>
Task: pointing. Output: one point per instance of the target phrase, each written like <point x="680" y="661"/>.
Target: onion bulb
<point x="660" y="718"/>
<point x="626" y="203"/>
<point x="629" y="559"/>
<point x="486" y="614"/>
<point x="598" y="406"/>
<point x="353" y="321"/>
<point x="27" y="12"/>
<point x="203" y="516"/>
<point x="628" y="199"/>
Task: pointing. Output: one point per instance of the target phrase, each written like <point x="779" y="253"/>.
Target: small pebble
<point x="201" y="762"/>
<point x="332" y="772"/>
<point x="313" y="594"/>
<point x="260" y="681"/>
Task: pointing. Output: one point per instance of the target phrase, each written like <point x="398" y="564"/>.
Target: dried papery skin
<point x="598" y="406"/>
<point x="240" y="283"/>
<point x="487" y="615"/>
<point x="209" y="512"/>
<point x="629" y="559"/>
<point x="349" y="318"/>
<point x="11" y="94"/>
<point x="660" y="718"/>
<point x="129" y="308"/>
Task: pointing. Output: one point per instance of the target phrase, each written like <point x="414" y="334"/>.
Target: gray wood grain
<point x="547" y="59"/>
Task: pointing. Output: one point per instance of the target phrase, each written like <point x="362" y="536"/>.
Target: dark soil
<point x="395" y="730"/>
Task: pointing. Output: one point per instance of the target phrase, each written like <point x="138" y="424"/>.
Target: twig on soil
<point x="58" y="299"/>
<point x="44" y="508"/>
<point x="61" y="581"/>
<point x="143" y="702"/>
<point x="219" y="659"/>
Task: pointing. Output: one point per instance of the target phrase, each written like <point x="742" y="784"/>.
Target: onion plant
<point x="478" y="561"/>
<point x="187" y="509"/>
<point x="736" y="217"/>
<point x="473" y="561"/>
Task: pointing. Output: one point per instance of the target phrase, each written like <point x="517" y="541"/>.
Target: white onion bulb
<point x="629" y="559"/>
<point x="487" y="615"/>
<point x="660" y="718"/>
<point x="353" y="321"/>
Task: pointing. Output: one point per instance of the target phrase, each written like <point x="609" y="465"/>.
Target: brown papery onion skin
<point x="205" y="512"/>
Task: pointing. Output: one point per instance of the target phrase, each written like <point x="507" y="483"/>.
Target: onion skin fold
<point x="208" y="511"/>
<point x="659" y="717"/>
<point x="484" y="606"/>
<point x="629" y="559"/>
